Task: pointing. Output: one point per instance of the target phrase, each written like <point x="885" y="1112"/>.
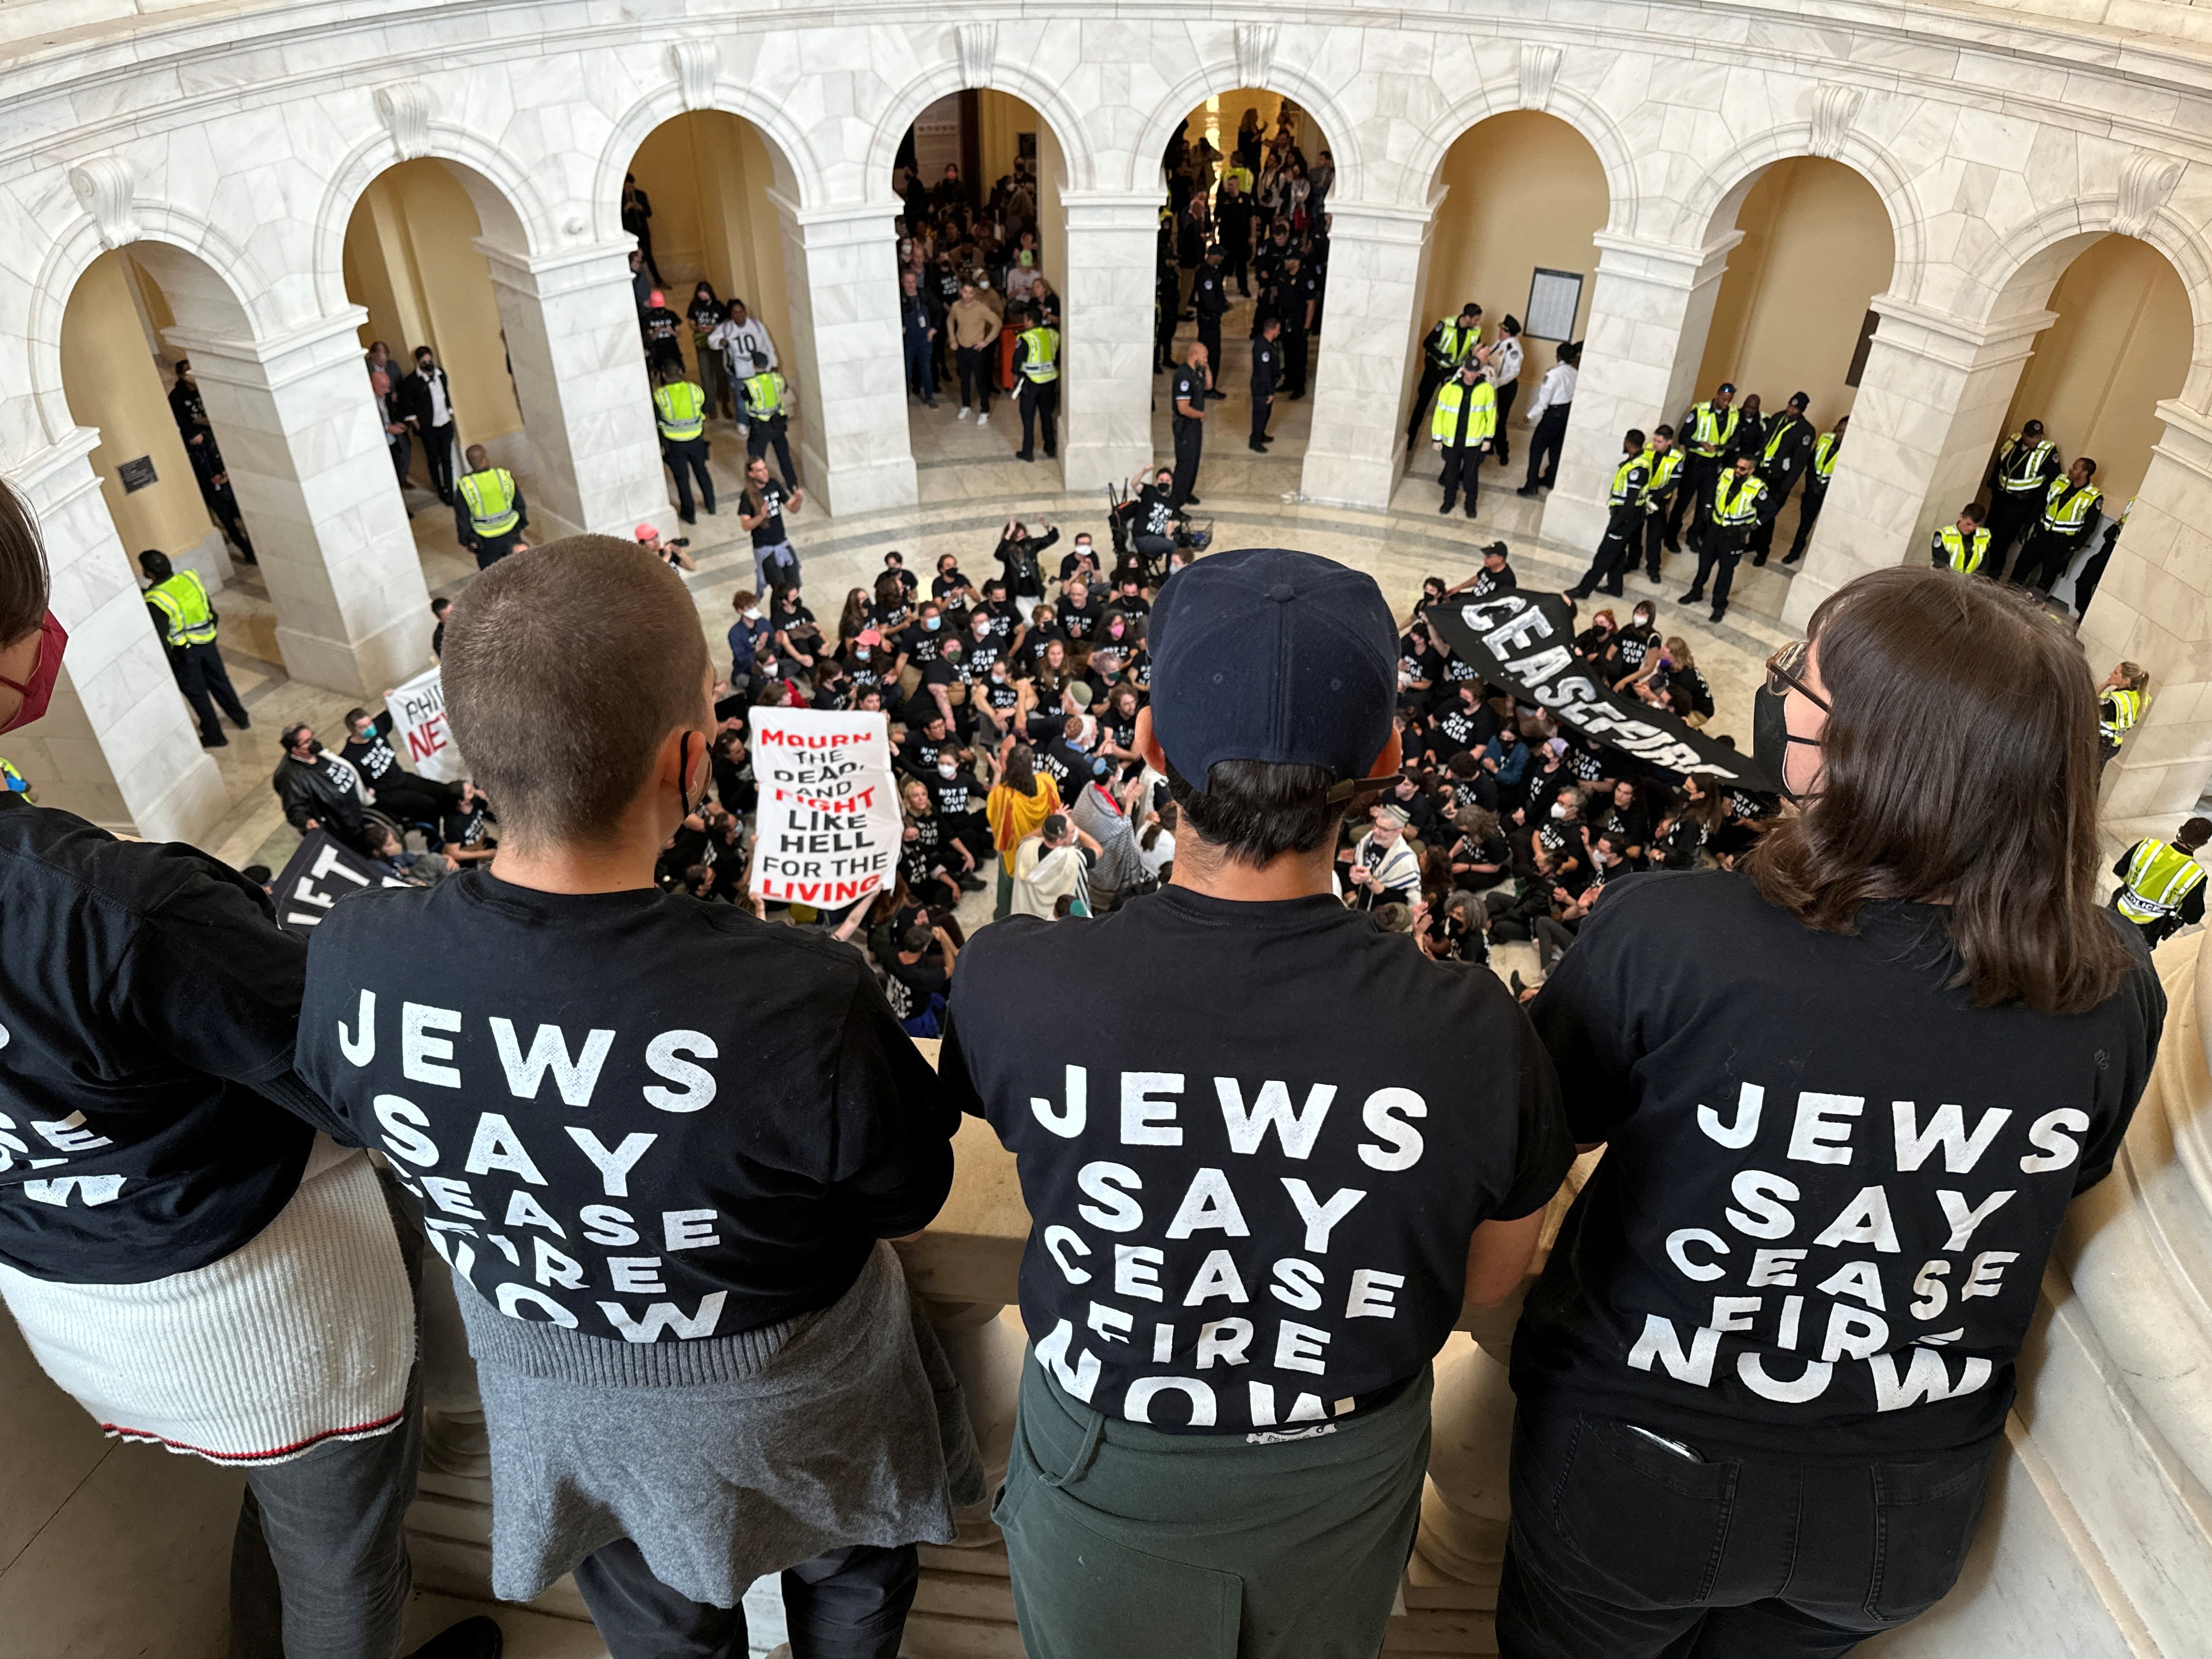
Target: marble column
<point x="2154" y="607"/>
<point x="1106" y="357"/>
<point x="840" y="279"/>
<point x="587" y="456"/>
<point x="1377" y="258"/>
<point x="1649" y="316"/>
<point x="1930" y="401"/>
<point x="118" y="744"/>
<point x="307" y="459"/>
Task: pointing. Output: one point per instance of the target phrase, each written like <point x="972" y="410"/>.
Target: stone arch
<point x="1283" y="78"/>
<point x="800" y="174"/>
<point x="511" y="211"/>
<point x="1710" y="210"/>
<point x="1015" y="80"/>
<point x="184" y="252"/>
<point x="1585" y="115"/>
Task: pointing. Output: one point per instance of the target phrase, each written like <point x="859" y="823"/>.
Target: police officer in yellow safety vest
<point x="2120" y="704"/>
<point x="2019" y="479"/>
<point x="1784" y="448"/>
<point x="1706" y="433"/>
<point x="679" y="409"/>
<point x="768" y="416"/>
<point x="1961" y="546"/>
<point x="1037" y="365"/>
<point x="185" y="622"/>
<point x="1443" y="349"/>
<point x="2162" y="886"/>
<point x="2070" y="511"/>
<point x="1739" y="503"/>
<point x="489" y="513"/>
<point x="1825" y="448"/>
<point x="1625" y="518"/>
<point x="1665" y="457"/>
<point x="1465" y="421"/>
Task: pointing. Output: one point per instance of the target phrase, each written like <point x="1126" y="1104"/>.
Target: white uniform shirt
<point x="1556" y="392"/>
<point x="1505" y="360"/>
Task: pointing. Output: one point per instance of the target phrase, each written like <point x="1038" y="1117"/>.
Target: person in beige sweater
<point x="976" y="328"/>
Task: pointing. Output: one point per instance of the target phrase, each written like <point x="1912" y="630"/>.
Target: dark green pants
<point x="1125" y="1540"/>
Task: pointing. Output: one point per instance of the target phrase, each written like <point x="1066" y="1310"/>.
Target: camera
<point x="677" y="541"/>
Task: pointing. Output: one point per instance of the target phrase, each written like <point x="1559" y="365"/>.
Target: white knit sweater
<point x="303" y="1334"/>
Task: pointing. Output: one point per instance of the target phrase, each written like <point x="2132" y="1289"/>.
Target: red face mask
<point x="39" y="690"/>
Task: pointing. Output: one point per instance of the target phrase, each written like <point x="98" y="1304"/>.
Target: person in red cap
<point x="1264" y="1171"/>
<point x="664" y="335"/>
<point x="675" y="553"/>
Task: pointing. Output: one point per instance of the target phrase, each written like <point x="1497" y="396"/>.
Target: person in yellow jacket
<point x="679" y="411"/>
<point x="489" y="514"/>
<point x="2120" y="704"/>
<point x="186" y="623"/>
<point x="2162" y="884"/>
<point x="1465" y="421"/>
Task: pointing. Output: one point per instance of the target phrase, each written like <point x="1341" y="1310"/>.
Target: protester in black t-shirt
<point x="1847" y="1097"/>
<point x="1259" y="1199"/>
<point x="652" y="1133"/>
<point x="393" y="790"/>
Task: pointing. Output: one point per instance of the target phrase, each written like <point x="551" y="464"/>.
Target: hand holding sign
<point x="829" y="823"/>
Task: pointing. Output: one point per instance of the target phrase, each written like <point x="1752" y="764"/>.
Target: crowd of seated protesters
<point x="1506" y="824"/>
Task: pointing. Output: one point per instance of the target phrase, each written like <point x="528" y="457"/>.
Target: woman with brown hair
<point x="1018" y="803"/>
<point x="1846" y="1095"/>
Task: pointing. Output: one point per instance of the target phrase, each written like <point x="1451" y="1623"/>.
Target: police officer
<point x="2093" y="567"/>
<point x="1232" y="223"/>
<point x="2161" y="884"/>
<point x="679" y="409"/>
<point x="2020" y="480"/>
<point x="1037" y="361"/>
<point x="1739" y="499"/>
<point x="2120" y="704"/>
<point x="2070" y="508"/>
<point x="1187" y="398"/>
<point x="1663" y="479"/>
<point x="1443" y="349"/>
<point x="1166" y="292"/>
<point x="1817" y="472"/>
<point x="489" y="514"/>
<point x="1554" y="405"/>
<point x="1502" y="362"/>
<point x="1298" y="292"/>
<point x="767" y="397"/>
<point x="1960" y="546"/>
<point x="1211" y="297"/>
<point x="186" y="624"/>
<point x="1466" y="419"/>
<point x="1783" y="450"/>
<point x="1624" y="519"/>
<point x="1266" y="372"/>
<point x="1708" y="433"/>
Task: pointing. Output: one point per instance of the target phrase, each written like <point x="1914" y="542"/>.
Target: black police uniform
<point x="1189" y="386"/>
<point x="1296" y="288"/>
<point x="1266" y="371"/>
<point x="1211" y="298"/>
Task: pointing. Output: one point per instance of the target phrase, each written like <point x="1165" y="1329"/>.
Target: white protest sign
<point x="829" y="823"/>
<point x="419" y="731"/>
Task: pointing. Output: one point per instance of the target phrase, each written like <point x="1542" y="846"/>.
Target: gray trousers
<point x="318" y="1567"/>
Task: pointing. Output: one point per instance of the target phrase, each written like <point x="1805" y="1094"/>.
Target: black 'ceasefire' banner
<point x="1524" y="643"/>
<point x="320" y="874"/>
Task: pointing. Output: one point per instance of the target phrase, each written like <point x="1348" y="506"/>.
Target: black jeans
<point x="1501" y="442"/>
<point x="1039" y="402"/>
<point x="1189" y="441"/>
<point x="1544" y="446"/>
<point x="847" y="1604"/>
<point x="1462" y="471"/>
<point x="688" y="460"/>
<point x="1616" y="554"/>
<point x="205" y="683"/>
<point x="438" y="458"/>
<point x="1721" y="547"/>
<point x="1622" y="1548"/>
<point x="974" y="365"/>
<point x="774" y="431"/>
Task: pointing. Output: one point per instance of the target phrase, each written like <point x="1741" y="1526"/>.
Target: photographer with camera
<point x="674" y="552"/>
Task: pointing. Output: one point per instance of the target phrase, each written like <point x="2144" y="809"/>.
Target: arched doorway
<point x="981" y="173"/>
<point x="1283" y="171"/>
<point x="1525" y="197"/>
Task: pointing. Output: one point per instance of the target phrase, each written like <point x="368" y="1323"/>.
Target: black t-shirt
<point x="632" y="1114"/>
<point x="1079" y="561"/>
<point x="1078" y="622"/>
<point x="145" y="1033"/>
<point x="1004" y="616"/>
<point x="921" y="643"/>
<point x="1458" y="726"/>
<point x="909" y="985"/>
<point x="1635" y="640"/>
<point x="767" y="498"/>
<point x="1250" y="1209"/>
<point x="1488" y="581"/>
<point x="1157" y="513"/>
<point x="953" y="797"/>
<point x="1831" y="1181"/>
<point x="1000" y="694"/>
<point x="465" y="825"/>
<point x="1266" y="367"/>
<point x="371" y="753"/>
<point x="1189" y="387"/>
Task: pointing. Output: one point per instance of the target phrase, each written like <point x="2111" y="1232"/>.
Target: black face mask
<point x="1771" y="738"/>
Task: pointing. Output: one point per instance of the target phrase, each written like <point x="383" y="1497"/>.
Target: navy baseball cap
<point x="1264" y="653"/>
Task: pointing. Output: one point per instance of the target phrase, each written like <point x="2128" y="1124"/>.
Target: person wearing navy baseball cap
<point x="1265" y="1169"/>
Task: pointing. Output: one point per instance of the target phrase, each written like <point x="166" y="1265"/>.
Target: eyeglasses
<point x="1785" y="673"/>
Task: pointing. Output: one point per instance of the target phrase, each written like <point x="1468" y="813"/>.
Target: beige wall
<point x="707" y="173"/>
<point x="1525" y="189"/>
<point x="1816" y="247"/>
<point x="411" y="261"/>
<point x="2120" y="345"/>
<point x="114" y="383"/>
<point x="1219" y="117"/>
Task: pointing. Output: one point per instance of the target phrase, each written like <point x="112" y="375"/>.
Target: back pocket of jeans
<point x="1925" y="1515"/>
<point x="1652" y="1521"/>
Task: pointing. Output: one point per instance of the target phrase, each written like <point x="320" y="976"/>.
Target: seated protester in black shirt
<point x="866" y="660"/>
<point x="937" y="870"/>
<point x="1636" y="640"/>
<point x="1420" y="668"/>
<point x="1473" y="785"/>
<point x="797" y="636"/>
<point x="833" y="686"/>
<point x="1460" y="723"/>
<point x="1480" y="857"/>
<point x="925" y="741"/>
<point x="688" y="844"/>
<point x="466" y="827"/>
<point x="1018" y="554"/>
<point x="1595" y="643"/>
<point x="1064" y="761"/>
<point x="650" y="1133"/>
<point x="1303" y="1174"/>
<point x="892" y="610"/>
<point x="1811" y="1255"/>
<point x="996" y="698"/>
<point x="1080" y="562"/>
<point x="1496" y="575"/>
<point x="948" y="583"/>
<point x="1006" y="619"/>
<point x="735" y="785"/>
<point x="392" y="789"/>
<point x="1049" y="700"/>
<point x="1043" y="633"/>
<point x="186" y="1256"/>
<point x="894" y="569"/>
<point x="1546" y="782"/>
<point x="1547" y="885"/>
<point x="1744" y="817"/>
<point x="1117" y="726"/>
<point x="918" y="978"/>
<point x="1137" y="668"/>
<point x="1154" y="531"/>
<point x="983" y="645"/>
<point x="1416" y="802"/>
<point x="1457" y="669"/>
<point x="1624" y="813"/>
<point x="957" y="803"/>
<point x="1078" y="617"/>
<point x="1679" y="838"/>
<point x="944" y="690"/>
<point x="917" y="646"/>
<point x="1129" y="594"/>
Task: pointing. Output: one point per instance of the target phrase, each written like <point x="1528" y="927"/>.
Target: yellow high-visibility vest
<point x="2123" y="707"/>
<point x="491" y="495"/>
<point x="1042" y="363"/>
<point x="764" y="394"/>
<point x="2159" y="878"/>
<point x="1482" y="413"/>
<point x="1824" y="455"/>
<point x="187" y="616"/>
<point x="2064" y="511"/>
<point x="1628" y="487"/>
<point x="1736" y="500"/>
<point x="1783" y="425"/>
<point x="681" y="408"/>
<point x="1958" y="553"/>
<point x="1454" y="344"/>
<point x="1711" y="430"/>
<point x="2018" y="468"/>
<point x="1663" y="468"/>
